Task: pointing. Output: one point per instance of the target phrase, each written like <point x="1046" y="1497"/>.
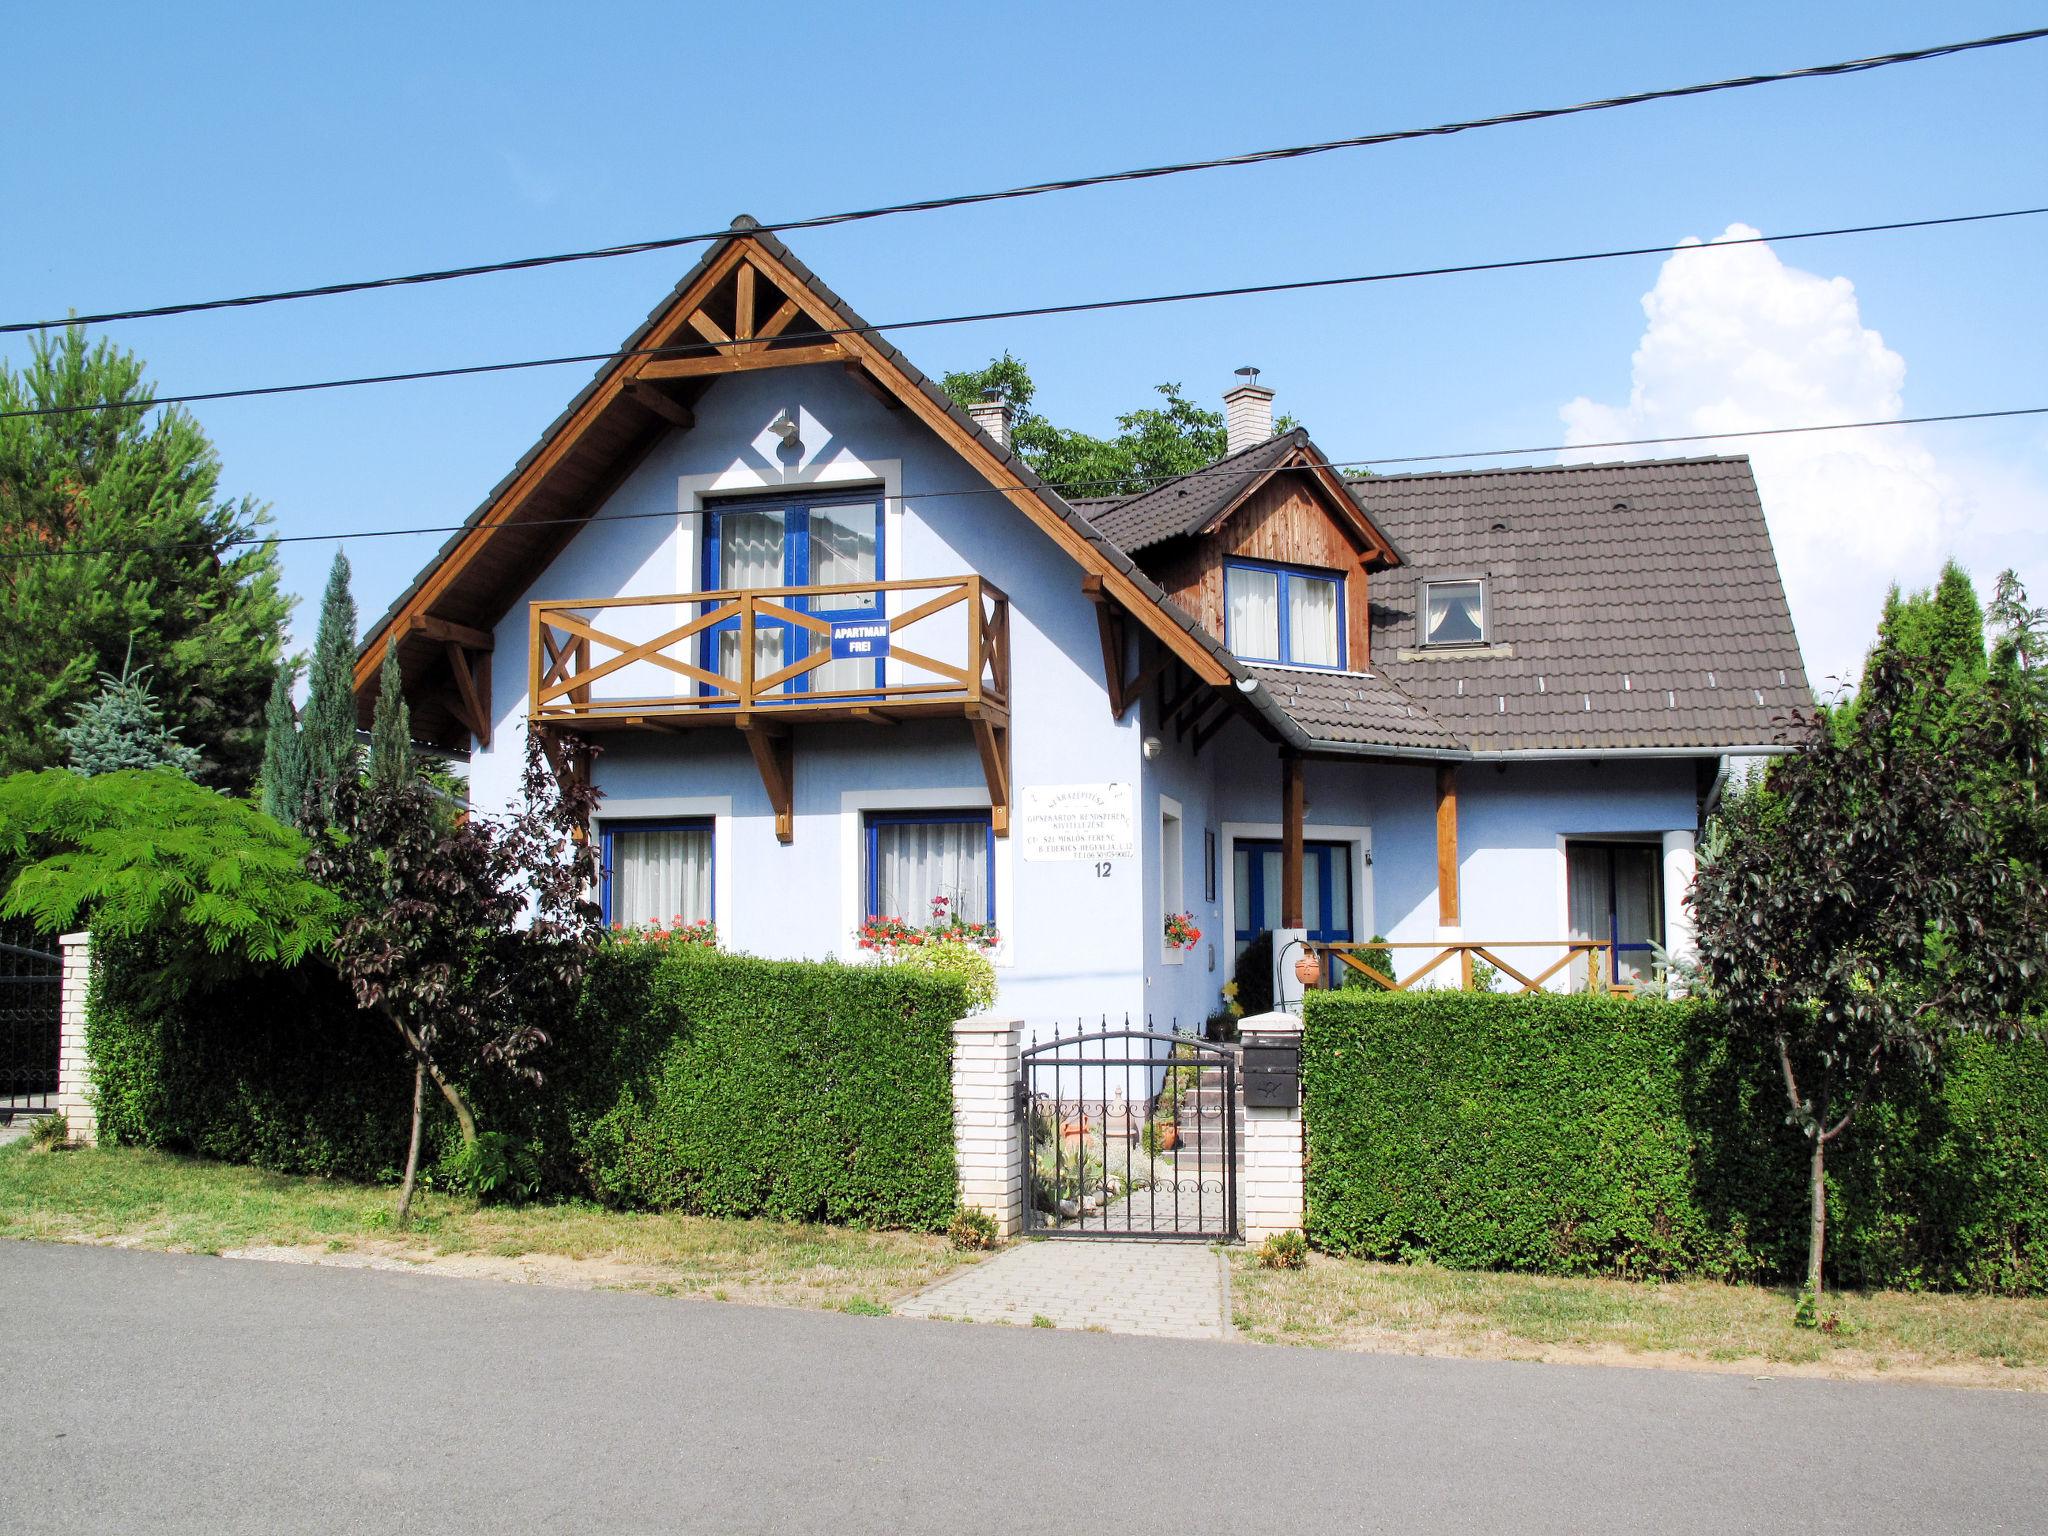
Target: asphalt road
<point x="144" y="1392"/>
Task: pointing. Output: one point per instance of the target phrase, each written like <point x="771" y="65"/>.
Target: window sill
<point x="1481" y="652"/>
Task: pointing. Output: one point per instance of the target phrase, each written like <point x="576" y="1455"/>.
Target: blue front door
<point x="771" y="542"/>
<point x="1325" y="890"/>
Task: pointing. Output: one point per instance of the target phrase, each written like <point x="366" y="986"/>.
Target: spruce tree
<point x="390" y="729"/>
<point x="328" y="727"/>
<point x="163" y="560"/>
<point x="284" y="755"/>
<point x="122" y="726"/>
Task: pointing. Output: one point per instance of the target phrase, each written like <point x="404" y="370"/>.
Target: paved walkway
<point x="1170" y="1290"/>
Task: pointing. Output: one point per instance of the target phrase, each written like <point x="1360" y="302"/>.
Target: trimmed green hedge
<point x="1598" y="1135"/>
<point x="685" y="1080"/>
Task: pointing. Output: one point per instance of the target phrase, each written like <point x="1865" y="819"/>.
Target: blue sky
<point x="167" y="153"/>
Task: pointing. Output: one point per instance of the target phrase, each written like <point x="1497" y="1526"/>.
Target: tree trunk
<point x="412" y="1151"/>
<point x="1816" y="1232"/>
<point x="449" y="1091"/>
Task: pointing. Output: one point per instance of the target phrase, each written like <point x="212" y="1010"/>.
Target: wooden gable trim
<point x="684" y="323"/>
<point x="1335" y="498"/>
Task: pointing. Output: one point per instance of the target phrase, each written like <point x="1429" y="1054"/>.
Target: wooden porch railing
<point x="1597" y="953"/>
<point x="572" y="649"/>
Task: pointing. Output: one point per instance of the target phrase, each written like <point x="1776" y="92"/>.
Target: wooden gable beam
<point x="992" y="741"/>
<point x="472" y="692"/>
<point x="1113" y="628"/>
<point x="872" y="385"/>
<point x="999" y="473"/>
<point x="774" y="752"/>
<point x="741" y="362"/>
<point x="451" y="633"/>
<point x="1338" y="499"/>
<point x="662" y="403"/>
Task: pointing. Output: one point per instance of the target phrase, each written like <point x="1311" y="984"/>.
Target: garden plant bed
<point x="146" y="1199"/>
<point x="1422" y="1309"/>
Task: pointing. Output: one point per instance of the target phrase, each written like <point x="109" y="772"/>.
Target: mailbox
<point x="1272" y="1073"/>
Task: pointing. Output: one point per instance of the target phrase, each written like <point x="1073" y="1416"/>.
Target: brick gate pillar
<point x="987" y="1144"/>
<point x="1273" y="1198"/>
<point x="74" y="1062"/>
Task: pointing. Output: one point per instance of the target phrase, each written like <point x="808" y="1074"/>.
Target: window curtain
<point x="843" y="551"/>
<point x="1312" y="623"/>
<point x="1254" y="619"/>
<point x="1455" y="613"/>
<point x="661" y="876"/>
<point x="750" y="550"/>
<point x="916" y="861"/>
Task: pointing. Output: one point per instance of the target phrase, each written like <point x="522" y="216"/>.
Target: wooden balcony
<point x="1576" y="965"/>
<point x="764" y="659"/>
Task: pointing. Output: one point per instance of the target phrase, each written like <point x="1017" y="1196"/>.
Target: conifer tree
<point x="328" y="728"/>
<point x="113" y="530"/>
<point x="391" y="764"/>
<point x="284" y="754"/>
<point x="122" y="726"/>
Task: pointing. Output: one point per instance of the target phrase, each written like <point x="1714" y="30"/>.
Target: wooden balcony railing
<point x="1342" y="962"/>
<point x="576" y="648"/>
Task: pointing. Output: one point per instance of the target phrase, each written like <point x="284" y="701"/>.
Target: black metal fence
<point x="31" y="984"/>
<point x="1130" y="1133"/>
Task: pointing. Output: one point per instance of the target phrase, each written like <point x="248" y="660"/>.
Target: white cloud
<point x="1737" y="341"/>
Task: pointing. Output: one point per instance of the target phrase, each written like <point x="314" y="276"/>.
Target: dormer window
<point x="1284" y="613"/>
<point x="1454" y="612"/>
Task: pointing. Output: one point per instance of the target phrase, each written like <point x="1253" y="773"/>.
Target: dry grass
<point x="154" y="1200"/>
<point x="1421" y="1309"/>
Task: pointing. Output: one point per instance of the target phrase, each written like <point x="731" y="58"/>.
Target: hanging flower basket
<point x="1308" y="970"/>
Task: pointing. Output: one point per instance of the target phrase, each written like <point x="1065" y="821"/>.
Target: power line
<point x="705" y="348"/>
<point x="1043" y="188"/>
<point x="1061" y="487"/>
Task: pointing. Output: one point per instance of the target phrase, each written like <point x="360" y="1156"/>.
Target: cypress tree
<point x="328" y="728"/>
<point x="284" y="755"/>
<point x="390" y="728"/>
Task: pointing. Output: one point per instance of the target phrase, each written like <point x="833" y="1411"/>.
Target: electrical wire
<point x="706" y="348"/>
<point x="1043" y="188"/>
<point x="1062" y="488"/>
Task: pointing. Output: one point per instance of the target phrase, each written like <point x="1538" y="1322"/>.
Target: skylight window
<point x="1454" y="612"/>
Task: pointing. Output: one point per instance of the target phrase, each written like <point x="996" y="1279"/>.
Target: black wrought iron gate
<point x="1130" y="1133"/>
<point x="31" y="981"/>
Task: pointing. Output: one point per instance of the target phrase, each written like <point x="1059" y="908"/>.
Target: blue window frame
<point x="772" y="541"/>
<point x="1291" y="614"/>
<point x="1615" y="892"/>
<point x="1326" y="884"/>
<point x="913" y="856"/>
<point x="657" y="870"/>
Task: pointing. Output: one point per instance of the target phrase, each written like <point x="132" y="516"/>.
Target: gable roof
<point x="1630" y="606"/>
<point x="605" y="430"/>
<point x="1199" y="502"/>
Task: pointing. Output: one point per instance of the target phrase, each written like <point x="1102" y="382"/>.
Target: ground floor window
<point x="914" y="857"/>
<point x="1325" y="890"/>
<point x="1614" y="894"/>
<point x="656" y="872"/>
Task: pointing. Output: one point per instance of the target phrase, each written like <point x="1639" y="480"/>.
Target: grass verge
<point x="147" y="1199"/>
<point x="1422" y="1309"/>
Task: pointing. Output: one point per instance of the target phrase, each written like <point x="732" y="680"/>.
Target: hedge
<point x="689" y="1081"/>
<point x="1599" y="1135"/>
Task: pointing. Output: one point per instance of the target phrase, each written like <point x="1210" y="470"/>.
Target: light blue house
<point x="841" y="652"/>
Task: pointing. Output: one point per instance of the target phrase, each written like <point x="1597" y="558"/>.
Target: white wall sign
<point x="1078" y="822"/>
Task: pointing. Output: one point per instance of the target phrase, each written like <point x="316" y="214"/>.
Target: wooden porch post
<point x="1293" y="811"/>
<point x="1447" y="845"/>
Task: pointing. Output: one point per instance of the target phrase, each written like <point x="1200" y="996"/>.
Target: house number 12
<point x="1102" y="870"/>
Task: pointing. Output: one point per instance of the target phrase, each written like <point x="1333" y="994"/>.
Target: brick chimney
<point x="1247" y="413"/>
<point x="993" y="415"/>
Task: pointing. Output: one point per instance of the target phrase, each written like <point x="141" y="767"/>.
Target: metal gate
<point x="31" y="980"/>
<point x="1130" y="1133"/>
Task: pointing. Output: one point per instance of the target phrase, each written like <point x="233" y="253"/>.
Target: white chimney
<point x="1247" y="413"/>
<point x="993" y="415"/>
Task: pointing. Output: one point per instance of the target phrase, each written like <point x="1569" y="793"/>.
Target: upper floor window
<point x="758" y="542"/>
<point x="1285" y="614"/>
<point x="1454" y="612"/>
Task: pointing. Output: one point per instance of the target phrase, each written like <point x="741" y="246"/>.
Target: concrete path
<point x="154" y="1392"/>
<point x="1168" y="1289"/>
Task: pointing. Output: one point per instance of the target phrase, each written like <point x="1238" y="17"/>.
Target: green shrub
<point x="49" y="1133"/>
<point x="973" y="1231"/>
<point x="1284" y="1250"/>
<point x="732" y="1086"/>
<point x="1602" y="1135"/>
<point x="1254" y="976"/>
<point x="968" y="962"/>
<point x="685" y="1079"/>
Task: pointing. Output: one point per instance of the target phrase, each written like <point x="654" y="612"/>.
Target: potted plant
<point x="1181" y="932"/>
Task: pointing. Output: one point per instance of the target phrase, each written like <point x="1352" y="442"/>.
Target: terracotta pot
<point x="1308" y="970"/>
<point x="1167" y="1137"/>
